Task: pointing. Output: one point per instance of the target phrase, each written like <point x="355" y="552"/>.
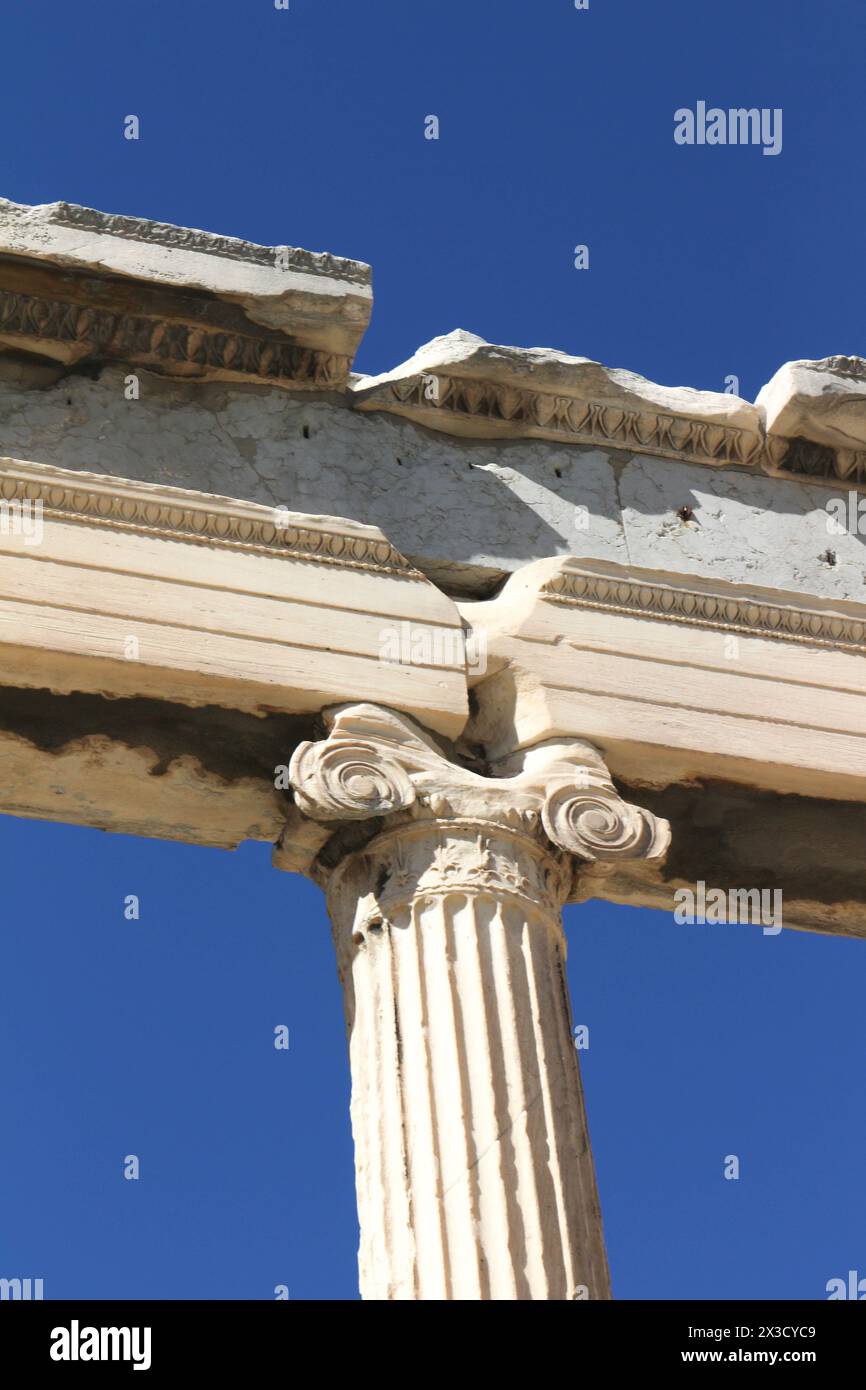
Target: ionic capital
<point x="380" y="767"/>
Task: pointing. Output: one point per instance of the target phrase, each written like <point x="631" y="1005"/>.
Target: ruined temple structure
<point x="495" y="631"/>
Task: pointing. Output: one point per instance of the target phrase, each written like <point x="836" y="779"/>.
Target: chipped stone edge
<point x="313" y="299"/>
<point x="481" y="391"/>
<point x="320" y="263"/>
<point x="73" y="217"/>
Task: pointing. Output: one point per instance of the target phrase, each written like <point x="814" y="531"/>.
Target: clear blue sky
<point x="154" y="1037"/>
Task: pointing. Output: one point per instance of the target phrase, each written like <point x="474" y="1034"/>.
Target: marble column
<point x="445" y="886"/>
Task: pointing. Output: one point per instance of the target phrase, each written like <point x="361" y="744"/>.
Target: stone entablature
<point x="465" y="386"/>
<point x="810" y="420"/>
<point x="526" y="452"/>
<point x="223" y="602"/>
<point x="145" y="509"/>
<point x="213" y="308"/>
<point x="230" y="607"/>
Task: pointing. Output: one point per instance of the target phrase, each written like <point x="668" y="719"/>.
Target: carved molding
<point x="482" y="407"/>
<point x="146" y="509"/>
<point x="727" y="613"/>
<point x="431" y="859"/>
<point x="854" y="367"/>
<point x="321" y="263"/>
<point x="168" y="345"/>
<point x="803" y="458"/>
<point x="546" y="415"/>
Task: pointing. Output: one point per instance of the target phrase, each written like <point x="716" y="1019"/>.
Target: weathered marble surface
<point x="466" y="512"/>
<point x="270" y="287"/>
<point x="822" y="401"/>
<point x="465" y="386"/>
<point x="474" y="459"/>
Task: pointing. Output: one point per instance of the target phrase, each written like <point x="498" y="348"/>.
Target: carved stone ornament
<point x="561" y="803"/>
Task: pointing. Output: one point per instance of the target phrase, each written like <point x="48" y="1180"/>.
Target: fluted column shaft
<point x="474" y="1171"/>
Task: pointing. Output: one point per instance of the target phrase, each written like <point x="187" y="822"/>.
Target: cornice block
<point x="464" y="386"/>
<point x="204" y="306"/>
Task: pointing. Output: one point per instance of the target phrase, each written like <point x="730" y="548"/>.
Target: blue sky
<point x="155" y="1037"/>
